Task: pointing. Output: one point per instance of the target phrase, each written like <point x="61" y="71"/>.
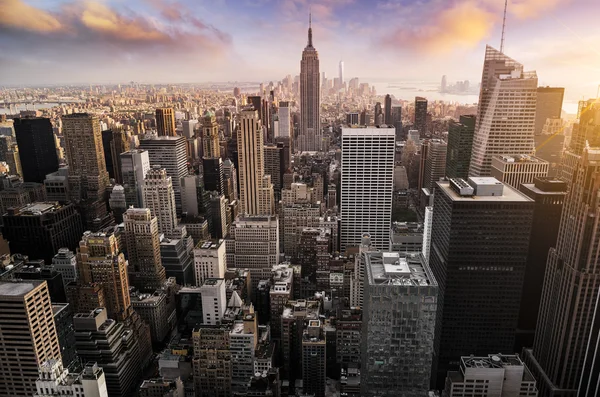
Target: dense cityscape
<point x="305" y="237"/>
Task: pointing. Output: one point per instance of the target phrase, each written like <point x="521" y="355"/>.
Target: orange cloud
<point x="17" y="15"/>
<point x="101" y="19"/>
<point x="462" y="26"/>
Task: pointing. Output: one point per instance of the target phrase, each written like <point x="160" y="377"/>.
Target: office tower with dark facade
<point x="367" y="185"/>
<point x="420" y="123"/>
<point x="212" y="172"/>
<point x="548" y="106"/>
<point x="479" y="245"/>
<point x="27" y="336"/>
<point x="135" y="164"/>
<point x="274" y="166"/>
<point x="37" y="149"/>
<point x="169" y="152"/>
<point x="114" y="143"/>
<point x="165" y="122"/>
<point x="310" y="136"/>
<point x="549" y="196"/>
<point x="400" y="307"/>
<point x="50" y="225"/>
<point x="387" y="112"/>
<point x="314" y="358"/>
<point x="114" y="347"/>
<point x="506" y="111"/>
<point x="571" y="286"/>
<point x="460" y="146"/>
<point x="63" y="320"/>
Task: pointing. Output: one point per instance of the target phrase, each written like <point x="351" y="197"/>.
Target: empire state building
<point x="310" y="136"/>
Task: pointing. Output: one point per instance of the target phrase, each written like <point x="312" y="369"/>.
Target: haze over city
<point x="178" y="41"/>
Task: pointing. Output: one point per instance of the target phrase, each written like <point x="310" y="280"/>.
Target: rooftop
<point x="518" y="158"/>
<point x="508" y="195"/>
<point x="397" y="268"/>
<point x="20" y="288"/>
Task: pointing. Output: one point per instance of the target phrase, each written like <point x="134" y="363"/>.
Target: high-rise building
<point x="168" y="152"/>
<point x="480" y="297"/>
<point x="549" y="196"/>
<point x="460" y="146"/>
<point x="518" y="169"/>
<point x="135" y="164"/>
<point x="285" y="120"/>
<point x="506" y="111"/>
<point x="37" y="148"/>
<point x="310" y="135"/>
<point x="367" y="185"/>
<point x="256" y="189"/>
<point x="387" y="112"/>
<point x="143" y="249"/>
<point x="100" y="261"/>
<point x="253" y="243"/>
<point x="435" y="163"/>
<point x="39" y="229"/>
<point x="113" y="346"/>
<point x="212" y="361"/>
<point x="497" y="374"/>
<point x="212" y="174"/>
<point x="571" y="287"/>
<point x="549" y="102"/>
<point x="65" y="263"/>
<point x="314" y="357"/>
<point x="210" y="260"/>
<point x="63" y="321"/>
<point x="210" y="136"/>
<point x="21" y="194"/>
<point x="114" y="142"/>
<point x="176" y="255"/>
<point x="341" y="73"/>
<point x="163" y="387"/>
<point x="274" y="166"/>
<point x="420" y="123"/>
<point x="400" y="307"/>
<point x="157" y="309"/>
<point x="55" y="380"/>
<point x="27" y="336"/>
<point x="230" y="173"/>
<point x="165" y="122"/>
<point x="159" y="197"/>
<point x="88" y="177"/>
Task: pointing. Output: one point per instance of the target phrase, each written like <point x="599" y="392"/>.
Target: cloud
<point x="462" y="26"/>
<point x="18" y="15"/>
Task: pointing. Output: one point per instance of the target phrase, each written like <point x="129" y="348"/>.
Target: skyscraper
<point x="387" y="112"/>
<point x="169" y="152"/>
<point x="143" y="249"/>
<point x="367" y="185"/>
<point x="506" y="111"/>
<point x="256" y="189"/>
<point x="421" y="116"/>
<point x="165" y="122"/>
<point x="314" y="358"/>
<point x="210" y="260"/>
<point x="549" y="196"/>
<point x="519" y="169"/>
<point x="159" y="197"/>
<point x="40" y="229"/>
<point x="88" y="177"/>
<point x="310" y="136"/>
<point x="210" y="135"/>
<point x="37" y="149"/>
<point x="460" y="146"/>
<point x="400" y="306"/>
<point x="135" y="164"/>
<point x="435" y="163"/>
<point x="341" y="73"/>
<point x="548" y="106"/>
<point x="479" y="244"/>
<point x="285" y="120"/>
<point x="27" y="336"/>
<point x="571" y="286"/>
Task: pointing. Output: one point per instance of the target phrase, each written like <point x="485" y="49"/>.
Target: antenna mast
<point x="503" y="27"/>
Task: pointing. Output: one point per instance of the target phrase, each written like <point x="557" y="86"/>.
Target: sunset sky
<point x="98" y="41"/>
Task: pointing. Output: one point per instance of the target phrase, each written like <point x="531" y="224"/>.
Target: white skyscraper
<point x="160" y="199"/>
<point x="285" y="123"/>
<point x="214" y="300"/>
<point x="134" y="166"/>
<point x="506" y="113"/>
<point x="210" y="260"/>
<point x="341" y="73"/>
<point x="367" y="185"/>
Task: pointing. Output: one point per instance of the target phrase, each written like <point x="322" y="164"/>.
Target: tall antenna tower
<point x="503" y="27"/>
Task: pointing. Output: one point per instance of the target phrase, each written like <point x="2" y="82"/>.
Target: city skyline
<point x="110" y="41"/>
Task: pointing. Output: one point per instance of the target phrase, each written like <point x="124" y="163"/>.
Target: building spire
<point x="309" y="28"/>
